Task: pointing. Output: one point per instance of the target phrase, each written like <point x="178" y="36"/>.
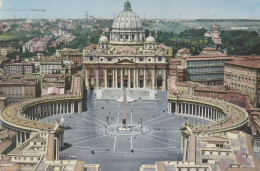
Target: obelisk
<point x="124" y="119"/>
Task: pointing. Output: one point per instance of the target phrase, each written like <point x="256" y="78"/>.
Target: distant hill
<point x="180" y="25"/>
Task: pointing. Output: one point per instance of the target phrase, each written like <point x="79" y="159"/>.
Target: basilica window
<point x="160" y="59"/>
<point x="91" y="58"/>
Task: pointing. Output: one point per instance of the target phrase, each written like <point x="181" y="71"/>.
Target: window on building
<point x="204" y="161"/>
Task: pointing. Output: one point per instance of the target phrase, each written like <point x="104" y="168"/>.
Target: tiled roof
<point x="184" y="51"/>
<point x="91" y="47"/>
<point x="250" y="63"/>
<point x="130" y="49"/>
<point x="163" y="47"/>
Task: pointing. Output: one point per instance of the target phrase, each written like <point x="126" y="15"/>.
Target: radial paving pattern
<point x="91" y="139"/>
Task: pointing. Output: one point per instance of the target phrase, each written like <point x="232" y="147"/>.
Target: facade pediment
<point x="125" y="61"/>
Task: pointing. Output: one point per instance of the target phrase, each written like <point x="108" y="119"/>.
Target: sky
<point x="156" y="9"/>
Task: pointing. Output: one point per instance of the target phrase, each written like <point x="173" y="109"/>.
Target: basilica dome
<point x="127" y="20"/>
<point x="127" y="28"/>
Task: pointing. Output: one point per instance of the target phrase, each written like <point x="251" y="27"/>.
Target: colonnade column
<point x="72" y="107"/>
<point x="169" y="107"/>
<point x="199" y="113"/>
<point x="17" y="138"/>
<point x="79" y="106"/>
<point x="57" y="108"/>
<point x="177" y="108"/>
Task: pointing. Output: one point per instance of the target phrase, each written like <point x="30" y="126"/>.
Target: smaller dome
<point x="150" y="39"/>
<point x="103" y="39"/>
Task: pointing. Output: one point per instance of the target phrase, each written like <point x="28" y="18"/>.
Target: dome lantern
<point x="127" y="6"/>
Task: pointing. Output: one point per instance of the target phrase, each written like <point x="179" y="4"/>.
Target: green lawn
<point x="6" y="37"/>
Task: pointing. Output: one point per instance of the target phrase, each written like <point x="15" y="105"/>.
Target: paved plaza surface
<point x="91" y="139"/>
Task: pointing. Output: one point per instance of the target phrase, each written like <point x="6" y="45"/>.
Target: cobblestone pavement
<point x="86" y="142"/>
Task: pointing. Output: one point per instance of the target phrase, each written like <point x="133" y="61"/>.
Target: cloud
<point x="1" y="2"/>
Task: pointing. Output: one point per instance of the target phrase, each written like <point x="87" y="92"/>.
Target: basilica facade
<point x="127" y="59"/>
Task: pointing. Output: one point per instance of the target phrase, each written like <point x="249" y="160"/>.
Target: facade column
<point x="105" y="78"/>
<point x="153" y="78"/>
<point x="192" y="109"/>
<point x="86" y="79"/>
<point x="129" y="78"/>
<point x="121" y="78"/>
<point x="134" y="78"/>
<point x="113" y="81"/>
<point x="116" y="85"/>
<point x="137" y="78"/>
<point x="97" y="78"/>
<point x="164" y="80"/>
<point x="145" y="72"/>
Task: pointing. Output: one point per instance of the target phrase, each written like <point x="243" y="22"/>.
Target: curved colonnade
<point x="22" y="117"/>
<point x="224" y="115"/>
